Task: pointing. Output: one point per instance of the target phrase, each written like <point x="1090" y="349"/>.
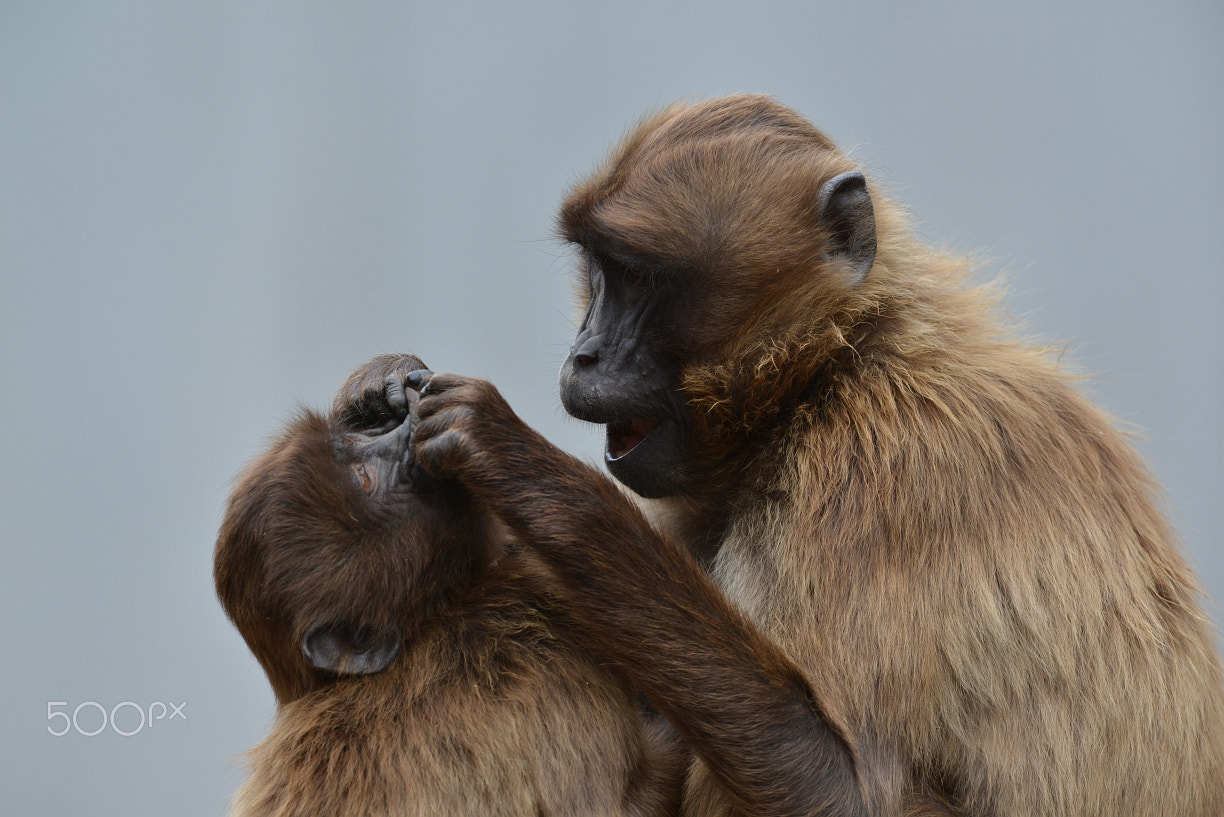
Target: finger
<point x="439" y="383"/>
<point x="396" y="397"/>
<point x="435" y="419"/>
<point x="442" y="455"/>
<point x="450" y="398"/>
<point x="418" y="379"/>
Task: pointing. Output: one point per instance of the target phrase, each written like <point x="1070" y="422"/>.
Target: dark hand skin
<point x="377" y="407"/>
<point x="381" y="395"/>
<point x="739" y="703"/>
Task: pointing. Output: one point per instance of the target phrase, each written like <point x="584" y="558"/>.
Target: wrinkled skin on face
<point x="617" y="376"/>
<point x="654" y="313"/>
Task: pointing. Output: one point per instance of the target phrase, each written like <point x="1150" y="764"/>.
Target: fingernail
<point x="418" y="378"/>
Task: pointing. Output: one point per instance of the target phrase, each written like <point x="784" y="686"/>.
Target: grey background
<point x="210" y="212"/>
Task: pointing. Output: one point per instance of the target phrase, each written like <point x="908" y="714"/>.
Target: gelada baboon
<point x="906" y="568"/>
<point x="419" y="664"/>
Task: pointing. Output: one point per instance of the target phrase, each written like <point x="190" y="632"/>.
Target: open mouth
<point x="626" y="435"/>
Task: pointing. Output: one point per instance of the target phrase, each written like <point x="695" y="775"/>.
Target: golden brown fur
<point x="489" y="711"/>
<point x="965" y="557"/>
<point x="489" y="708"/>
<point x="951" y="586"/>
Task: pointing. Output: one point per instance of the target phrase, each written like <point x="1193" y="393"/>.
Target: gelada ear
<point x="845" y="206"/>
<point x="348" y="649"/>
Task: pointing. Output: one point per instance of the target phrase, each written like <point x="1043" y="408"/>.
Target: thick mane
<point x="962" y="554"/>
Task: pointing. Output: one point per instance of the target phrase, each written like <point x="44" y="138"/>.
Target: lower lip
<point x="628" y="436"/>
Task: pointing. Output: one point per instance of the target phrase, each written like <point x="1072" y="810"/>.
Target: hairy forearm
<point x="650" y="608"/>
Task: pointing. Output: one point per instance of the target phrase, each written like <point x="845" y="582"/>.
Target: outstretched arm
<point x="648" y="607"/>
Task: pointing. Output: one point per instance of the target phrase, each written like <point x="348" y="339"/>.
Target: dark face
<point x="716" y="235"/>
<point x="619" y="373"/>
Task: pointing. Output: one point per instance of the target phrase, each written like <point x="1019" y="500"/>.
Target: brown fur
<point x="961" y="557"/>
<point x="488" y="709"/>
